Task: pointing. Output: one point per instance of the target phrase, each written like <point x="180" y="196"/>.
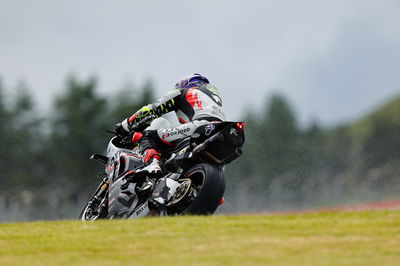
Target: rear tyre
<point x="208" y="183"/>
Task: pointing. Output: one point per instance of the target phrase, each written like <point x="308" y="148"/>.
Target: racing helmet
<point x="192" y="80"/>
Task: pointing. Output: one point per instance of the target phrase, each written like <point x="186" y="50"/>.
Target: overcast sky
<point x="334" y="60"/>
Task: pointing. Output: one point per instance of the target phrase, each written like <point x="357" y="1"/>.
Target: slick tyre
<point x="90" y="214"/>
<point x="209" y="182"/>
<point x="84" y="213"/>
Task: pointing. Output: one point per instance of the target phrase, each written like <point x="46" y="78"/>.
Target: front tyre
<point x="93" y="211"/>
<point x="208" y="184"/>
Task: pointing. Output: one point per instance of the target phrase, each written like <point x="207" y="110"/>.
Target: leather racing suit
<point x="195" y="106"/>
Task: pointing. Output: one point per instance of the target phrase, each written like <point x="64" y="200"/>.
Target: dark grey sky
<point x="335" y="60"/>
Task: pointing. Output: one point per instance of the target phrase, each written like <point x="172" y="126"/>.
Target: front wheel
<point x="97" y="207"/>
<point x="93" y="211"/>
<point x="208" y="187"/>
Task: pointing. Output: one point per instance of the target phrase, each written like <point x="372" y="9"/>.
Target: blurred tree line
<point x="45" y="171"/>
<point x="46" y="174"/>
<point x="286" y="166"/>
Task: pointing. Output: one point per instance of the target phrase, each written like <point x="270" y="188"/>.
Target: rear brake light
<point x="221" y="201"/>
<point x="240" y="125"/>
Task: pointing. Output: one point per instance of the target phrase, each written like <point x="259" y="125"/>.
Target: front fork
<point x="101" y="191"/>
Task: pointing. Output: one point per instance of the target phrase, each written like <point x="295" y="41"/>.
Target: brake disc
<point x="181" y="191"/>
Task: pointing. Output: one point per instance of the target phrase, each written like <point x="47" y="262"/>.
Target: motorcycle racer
<point x="195" y="102"/>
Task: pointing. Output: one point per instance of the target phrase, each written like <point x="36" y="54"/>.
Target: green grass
<point x="334" y="238"/>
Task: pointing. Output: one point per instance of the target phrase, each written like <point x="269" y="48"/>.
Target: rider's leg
<point x="151" y="156"/>
<point x="153" y="141"/>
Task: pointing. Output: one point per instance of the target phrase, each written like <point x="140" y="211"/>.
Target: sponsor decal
<point x="233" y="132"/>
<point x="193" y="98"/>
<point x="174" y="132"/>
<point x="209" y="128"/>
<point x="141" y="209"/>
<point x="217" y="112"/>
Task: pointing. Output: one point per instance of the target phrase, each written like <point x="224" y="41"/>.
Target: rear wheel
<point x="207" y="189"/>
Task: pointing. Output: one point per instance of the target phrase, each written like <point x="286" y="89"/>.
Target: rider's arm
<point x="148" y="113"/>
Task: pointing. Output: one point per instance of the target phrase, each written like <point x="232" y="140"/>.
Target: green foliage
<point x="280" y="137"/>
<point x="20" y="136"/>
<point x="78" y="126"/>
<point x="381" y="141"/>
<point x="5" y="134"/>
<point x="286" y="166"/>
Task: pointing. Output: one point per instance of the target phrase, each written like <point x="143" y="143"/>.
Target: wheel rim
<point x="90" y="213"/>
<point x="181" y="192"/>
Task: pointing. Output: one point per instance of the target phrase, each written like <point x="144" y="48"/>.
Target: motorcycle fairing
<point x="220" y="140"/>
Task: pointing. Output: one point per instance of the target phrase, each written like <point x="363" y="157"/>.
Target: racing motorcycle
<point x="192" y="182"/>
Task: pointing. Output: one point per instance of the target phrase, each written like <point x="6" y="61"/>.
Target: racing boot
<point x="151" y="157"/>
<point x="152" y="169"/>
<point x="152" y="160"/>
